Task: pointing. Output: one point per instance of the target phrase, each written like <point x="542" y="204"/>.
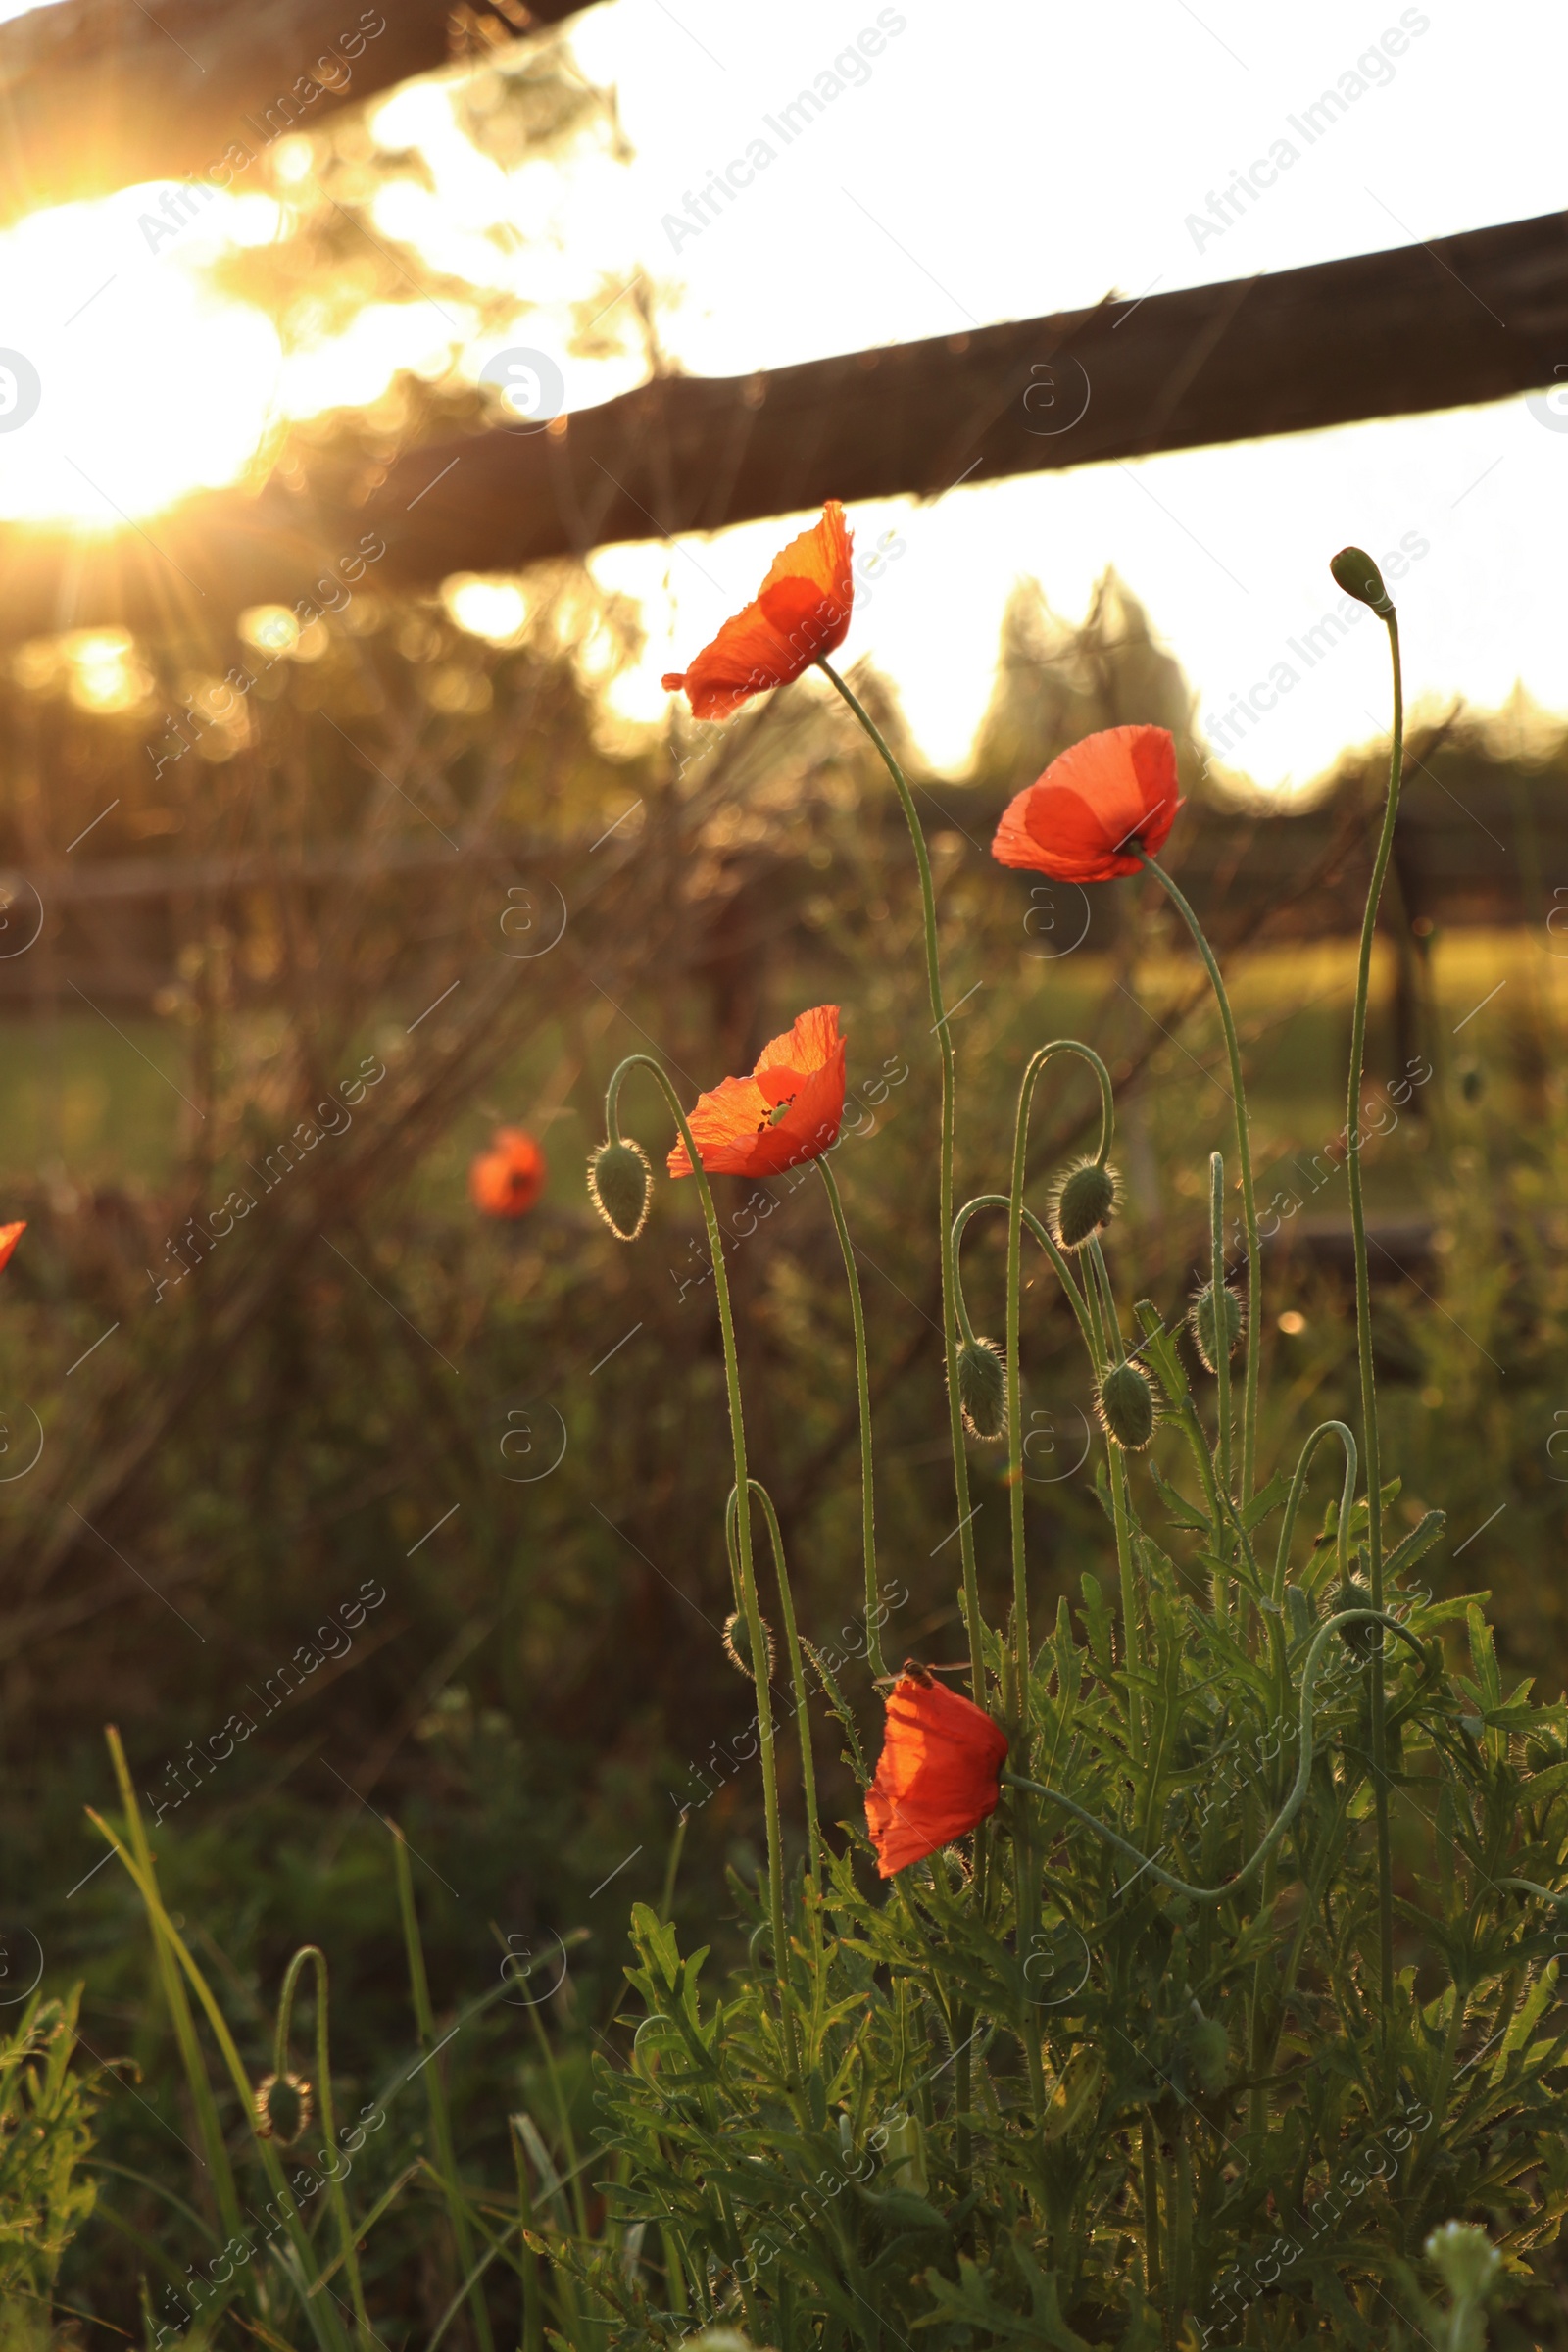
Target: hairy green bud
<point x="1127" y="1408"/>
<point x="1356" y="573"/>
<point x="983" y="1387"/>
<point x="1201" y="1322"/>
<point x="1360" y="1640"/>
<point x="738" y="1643"/>
<point x="620" y="1186"/>
<point x="1207" y="2049"/>
<point x="1085" y="1203"/>
<point x="1465" y="2260"/>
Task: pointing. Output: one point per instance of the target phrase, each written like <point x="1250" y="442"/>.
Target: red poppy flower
<point x="802" y="610"/>
<point x="1081" y="821"/>
<point x="787" y="1110"/>
<point x="10" y="1236"/>
<point x="938" y="1774"/>
<point x="507" y="1180"/>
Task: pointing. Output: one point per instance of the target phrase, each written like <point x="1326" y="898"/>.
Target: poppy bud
<point x="738" y="1643"/>
<point x="1085" y="1203"/>
<point x="1356" y="573"/>
<point x="1201" y="1322"/>
<point x="983" y="1387"/>
<point x="1127" y="1408"/>
<point x="620" y="1187"/>
<point x="282" y="2109"/>
<point x="1208" y="2049"/>
<point x="1360" y="1639"/>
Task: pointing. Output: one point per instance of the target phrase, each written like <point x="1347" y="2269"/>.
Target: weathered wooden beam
<point x="1470" y="318"/>
<point x="100" y="94"/>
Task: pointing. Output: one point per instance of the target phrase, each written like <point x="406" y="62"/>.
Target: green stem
<point x="737" y="1431"/>
<point x="940" y="1023"/>
<point x="792" y="1646"/>
<point x="863" y="1382"/>
<point x="1292" y="1501"/>
<point x="1363" y="1316"/>
<point x="1020" y="1150"/>
<point x="1244" y="1147"/>
<point x="1222" y="1359"/>
<point x="1112" y="1349"/>
<point x="1287" y="1812"/>
<point x="446" y="2163"/>
<point x="323" y="2088"/>
<point x="1048" y="1242"/>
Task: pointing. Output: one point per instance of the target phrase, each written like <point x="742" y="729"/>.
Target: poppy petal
<point x="808" y="1045"/>
<point x="938" y="1774"/>
<point x="788" y="1111"/>
<point x="724" y="1123"/>
<point x="1080" y="820"/>
<point x="820" y="555"/>
<point x="802" y="611"/>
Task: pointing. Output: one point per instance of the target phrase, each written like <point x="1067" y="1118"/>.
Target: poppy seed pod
<point x="1356" y="573"/>
<point x="620" y="1187"/>
<point x="738" y="1643"/>
<point x="1127" y="1408"/>
<point x="983" y="1387"/>
<point x="1201" y="1322"/>
<point x="1085" y="1203"/>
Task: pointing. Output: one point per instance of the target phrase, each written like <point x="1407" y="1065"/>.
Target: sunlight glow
<point x="494" y="609"/>
<point x="151" y="383"/>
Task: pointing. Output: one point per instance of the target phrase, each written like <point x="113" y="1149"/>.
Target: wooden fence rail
<point x="1474" y="317"/>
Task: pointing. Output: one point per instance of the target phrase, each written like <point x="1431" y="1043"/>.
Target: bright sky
<point x="978" y="168"/>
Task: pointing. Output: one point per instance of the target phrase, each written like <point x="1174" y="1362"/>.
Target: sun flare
<point x="125" y="380"/>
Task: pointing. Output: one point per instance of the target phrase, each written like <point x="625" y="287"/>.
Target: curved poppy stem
<point x="1244" y="1147"/>
<point x="1293" y="1503"/>
<point x="737" y="1429"/>
<point x="1287" y="1812"/>
<point x="1222" y="1362"/>
<point x="863" y="1382"/>
<point x="313" y="1953"/>
<point x="1113" y="1351"/>
<point x="1048" y="1242"/>
<point x="1033" y="1071"/>
<point x="939" y="1013"/>
<point x="1363" y="1310"/>
<point x="792" y="1645"/>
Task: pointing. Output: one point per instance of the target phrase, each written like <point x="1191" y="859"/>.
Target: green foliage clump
<point x="46" y="2140"/>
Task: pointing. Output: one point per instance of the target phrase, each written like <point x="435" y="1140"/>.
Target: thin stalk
<point x="791" y="1646"/>
<point x="216" y="2162"/>
<point x="1021" y="1153"/>
<point x="737" y="1431"/>
<point x="533" y="2316"/>
<point x="1149" y="2138"/>
<point x="435" y="2094"/>
<point x="1293" y="1502"/>
<point x="324" y="2087"/>
<point x="1363" y="1318"/>
<point x="1048" y="1242"/>
<point x="1217" y="1259"/>
<point x="324" y="2320"/>
<point x="863" y="1382"/>
<point x="1222" y="1365"/>
<point x="1244" y="1149"/>
<point x="940" y="1025"/>
<point x="1108" y="1329"/>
